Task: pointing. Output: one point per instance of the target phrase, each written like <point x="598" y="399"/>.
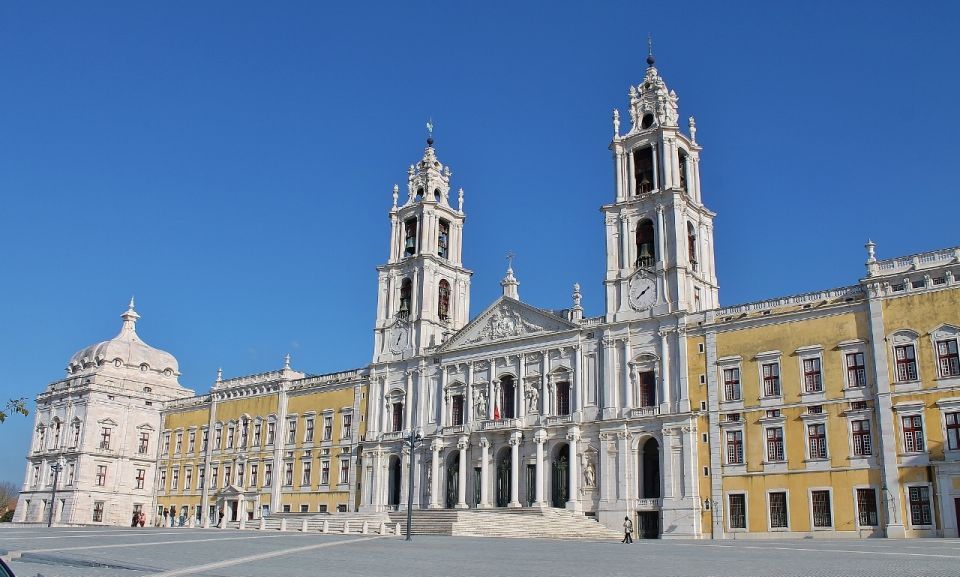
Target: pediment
<point x="505" y="320"/>
<point x="229" y="490"/>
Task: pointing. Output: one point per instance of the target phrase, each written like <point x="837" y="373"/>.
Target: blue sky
<point x="231" y="163"/>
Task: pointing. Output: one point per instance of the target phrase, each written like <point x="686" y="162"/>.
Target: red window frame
<point x="731" y="384"/>
<point x="771" y="379"/>
<point x="817" y="440"/>
<point x="906" y="356"/>
<point x="812" y="375"/>
<point x="734" y="447"/>
<point x="775" y="452"/>
<point x="862" y="440"/>
<point x="856" y="370"/>
<point x="948" y="359"/>
<point x="912" y="433"/>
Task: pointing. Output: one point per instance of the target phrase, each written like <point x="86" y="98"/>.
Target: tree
<point x="8" y="497"/>
<point x="14" y="406"/>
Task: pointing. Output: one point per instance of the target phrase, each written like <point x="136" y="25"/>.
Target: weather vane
<point x="430" y="128"/>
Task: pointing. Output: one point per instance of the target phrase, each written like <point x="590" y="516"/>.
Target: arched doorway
<point x="560" y="482"/>
<point x="650" y="470"/>
<point x="396" y="478"/>
<point x="453" y="481"/>
<point x="503" y="478"/>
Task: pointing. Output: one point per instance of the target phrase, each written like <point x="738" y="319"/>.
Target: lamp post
<point x="411" y="441"/>
<point x="56" y="467"/>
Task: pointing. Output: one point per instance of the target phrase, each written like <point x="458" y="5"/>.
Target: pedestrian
<point x="166" y="516"/>
<point x="183" y="516"/>
<point x="142" y="518"/>
<point x="173" y="516"/>
<point x="220" y="520"/>
<point x="627" y="530"/>
<point x="136" y="517"/>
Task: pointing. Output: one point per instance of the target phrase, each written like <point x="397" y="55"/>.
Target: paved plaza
<point x="120" y="552"/>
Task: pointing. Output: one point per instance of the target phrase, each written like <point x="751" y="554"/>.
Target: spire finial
<point x="396" y="193"/>
<point x="129" y="317"/>
<point x="510" y="283"/>
<point x="220" y="374"/>
<point x="510" y="256"/>
<point x="650" y="58"/>
<point x="286" y="361"/>
<point x="430" y="132"/>
<point x="130" y="306"/>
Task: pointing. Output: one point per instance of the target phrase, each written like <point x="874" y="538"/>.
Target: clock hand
<point x="644" y="290"/>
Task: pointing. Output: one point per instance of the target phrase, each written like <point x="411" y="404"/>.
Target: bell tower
<point x="659" y="235"/>
<point x="424" y="291"/>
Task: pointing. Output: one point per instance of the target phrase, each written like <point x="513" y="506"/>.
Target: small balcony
<point x="649" y="504"/>
<point x="558" y="420"/>
<point x="393" y="436"/>
<point x="652" y="411"/>
<point x="501" y="424"/>
<point x="452" y="430"/>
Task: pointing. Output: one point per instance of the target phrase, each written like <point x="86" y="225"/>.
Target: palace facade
<point x="829" y="413"/>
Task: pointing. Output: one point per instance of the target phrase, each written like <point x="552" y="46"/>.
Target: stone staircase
<point x="527" y="522"/>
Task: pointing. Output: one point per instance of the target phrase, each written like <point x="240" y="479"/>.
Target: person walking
<point x="627" y="530"/>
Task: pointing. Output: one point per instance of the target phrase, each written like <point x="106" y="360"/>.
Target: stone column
<point x="377" y="493"/>
<point x="661" y="247"/>
<point x="625" y="241"/>
<point x="521" y="388"/>
<point x="539" y="437"/>
<point x="468" y="395"/>
<point x="625" y="376"/>
<point x="408" y="403"/>
<point x="666" y="397"/>
<point x="484" y="473"/>
<point x="544" y="378"/>
<point x="493" y="388"/>
<point x="435" y="475"/>
<point x="444" y="398"/>
<point x="625" y="490"/>
<point x="603" y="466"/>
<point x="515" y="438"/>
<point x="462" y="482"/>
<point x="657" y="185"/>
<point x="573" y="436"/>
<point x="577" y="404"/>
<point x="683" y="383"/>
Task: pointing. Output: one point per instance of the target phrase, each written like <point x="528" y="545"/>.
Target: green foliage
<point x="7" y="517"/>
<point x="13" y="407"/>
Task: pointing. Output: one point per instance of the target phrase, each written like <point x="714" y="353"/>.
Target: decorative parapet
<point x="392" y="436"/>
<point x="644" y="412"/>
<point x="847" y="293"/>
<point x="491" y="425"/>
<point x="592" y="321"/>
<point x="558" y="420"/>
<point x="257" y="379"/>
<point x="915" y="262"/>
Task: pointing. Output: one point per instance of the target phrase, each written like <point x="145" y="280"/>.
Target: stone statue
<point x="589" y="473"/>
<point x="481" y="404"/>
<point x="533" y="399"/>
<point x="616" y="123"/>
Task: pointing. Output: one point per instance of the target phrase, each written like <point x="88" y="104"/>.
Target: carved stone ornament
<point x="507" y="319"/>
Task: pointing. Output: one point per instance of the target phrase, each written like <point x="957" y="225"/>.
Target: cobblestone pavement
<point x="120" y="552"/>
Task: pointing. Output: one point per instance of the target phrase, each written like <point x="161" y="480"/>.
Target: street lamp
<point x="56" y="467"/>
<point x="411" y="441"/>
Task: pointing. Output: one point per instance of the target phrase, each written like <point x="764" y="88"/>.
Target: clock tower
<point x="424" y="291"/>
<point x="659" y="235"/>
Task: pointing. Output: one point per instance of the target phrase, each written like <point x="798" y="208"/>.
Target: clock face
<point x="397" y="338"/>
<point x="642" y="292"/>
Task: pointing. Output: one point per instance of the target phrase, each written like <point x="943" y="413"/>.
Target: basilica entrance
<point x="648" y="524"/>
<point x="503" y="479"/>
<point x="559" y="486"/>
<point x="531" y="485"/>
<point x="396" y="478"/>
<point x="650" y="470"/>
<point x="453" y="481"/>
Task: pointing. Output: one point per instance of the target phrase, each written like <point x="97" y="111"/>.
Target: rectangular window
<point x="241" y="471"/>
<point x="771" y="379"/>
<point x="456" y="418"/>
<point x="328" y="427"/>
<point x="271" y="432"/>
<point x="344" y="471"/>
<point x="822" y="516"/>
<point x="817" y="440"/>
<point x="862" y="441"/>
<point x="244" y="432"/>
<point x="218" y="438"/>
<point x="192" y="442"/>
<point x="141" y="477"/>
<point x="163" y="479"/>
<point x="947" y="358"/>
<point x="179" y="444"/>
<point x="227" y="470"/>
<point x="231" y="432"/>
<point x="738" y="511"/>
<point x="205" y="437"/>
<point x="734" y="447"/>
<point x="98" y="511"/>
<point x="778" y="510"/>
<point x="256" y="434"/>
<point x="906" y="363"/>
<point x="72" y="473"/>
<point x="913" y="434"/>
<point x="105" y="438"/>
<point x="200" y="477"/>
<point x="812" y="379"/>
<point x="304" y="508"/>
<point x="324" y="472"/>
<point x="867" y="507"/>
<point x="856" y="370"/>
<point x="253" y="474"/>
<point x="267" y="474"/>
<point x="306" y="473"/>
<point x="101" y="475"/>
<point x="952" y="421"/>
<point x="920" y="506"/>
<point x="175" y="479"/>
<point x="288" y="474"/>
<point x="775" y="444"/>
<point x="443" y="238"/>
<point x="308" y="433"/>
<point x="144" y="445"/>
<point x="342" y="508"/>
<point x="291" y="431"/>
<point x="398" y="416"/>
<point x="346" y="431"/>
<point x="76" y="435"/>
<point x="563" y="398"/>
<point x="36" y="476"/>
<point x="731" y="384"/>
<point x="214" y="473"/>
<point x="643" y="168"/>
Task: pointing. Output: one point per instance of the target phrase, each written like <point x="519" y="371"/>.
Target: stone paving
<point x="121" y="552"/>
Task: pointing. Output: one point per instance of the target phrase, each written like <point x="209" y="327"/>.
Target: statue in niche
<point x="589" y="472"/>
<point x="533" y="400"/>
<point x="480" y="402"/>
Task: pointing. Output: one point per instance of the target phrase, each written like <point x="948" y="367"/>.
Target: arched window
<point x="682" y="168"/>
<point x="406" y="289"/>
<point x="443" y="300"/>
<point x="643" y="170"/>
<point x="397" y="416"/>
<point x="692" y="245"/>
<point x="410" y="237"/>
<point x="443" y="239"/>
<point x="508" y="390"/>
<point x="646" y="253"/>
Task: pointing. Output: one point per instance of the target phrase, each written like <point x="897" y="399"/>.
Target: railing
<point x="453" y="430"/>
<point x="558" y="420"/>
<point x="649" y="504"/>
<point x="853" y="291"/>
<point x="392" y="436"/>
<point x="644" y="412"/>
<point x="915" y="261"/>
<point x="500" y="424"/>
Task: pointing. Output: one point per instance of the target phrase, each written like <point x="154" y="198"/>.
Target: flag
<point x="496" y="411"/>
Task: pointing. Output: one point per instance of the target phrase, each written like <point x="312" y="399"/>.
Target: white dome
<point x="125" y="350"/>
